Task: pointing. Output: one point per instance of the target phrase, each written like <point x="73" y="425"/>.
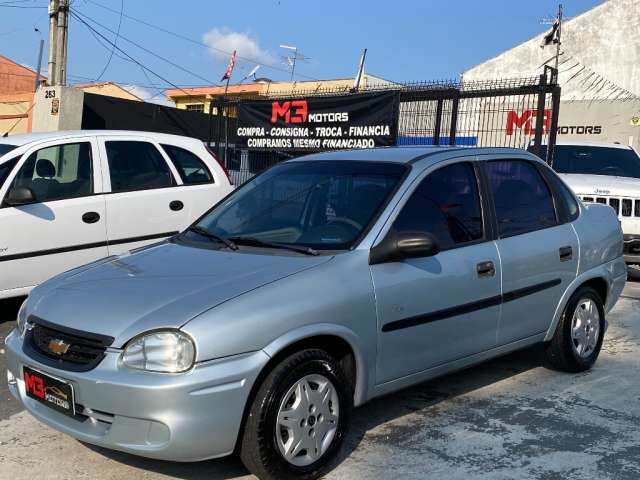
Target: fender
<point x="363" y="375"/>
<point x="607" y="271"/>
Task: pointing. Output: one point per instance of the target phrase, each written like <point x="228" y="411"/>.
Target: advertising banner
<point x="319" y="123"/>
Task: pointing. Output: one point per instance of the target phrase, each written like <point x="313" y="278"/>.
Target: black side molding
<point x="469" y="307"/>
<point x="86" y="246"/>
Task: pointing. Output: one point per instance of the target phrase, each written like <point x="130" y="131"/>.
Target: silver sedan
<point x="322" y="283"/>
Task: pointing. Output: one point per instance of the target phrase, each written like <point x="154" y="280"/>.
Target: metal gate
<point x="519" y="113"/>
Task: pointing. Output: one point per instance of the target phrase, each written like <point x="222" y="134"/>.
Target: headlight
<point x="22" y="318"/>
<point x="166" y="352"/>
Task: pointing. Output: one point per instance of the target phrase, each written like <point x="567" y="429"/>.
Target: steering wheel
<point x="348" y="221"/>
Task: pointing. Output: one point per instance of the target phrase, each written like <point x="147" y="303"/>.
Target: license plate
<point x="50" y="391"/>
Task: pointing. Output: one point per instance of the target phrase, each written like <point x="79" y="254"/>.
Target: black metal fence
<point x="521" y="113"/>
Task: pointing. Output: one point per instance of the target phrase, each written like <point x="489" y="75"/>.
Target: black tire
<point x="633" y="273"/>
<point x="259" y="450"/>
<point x="560" y="351"/>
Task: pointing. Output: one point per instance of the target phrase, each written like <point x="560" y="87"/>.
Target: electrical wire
<point x="86" y="24"/>
<point x="199" y="43"/>
<point x="115" y="42"/>
<point x="79" y="14"/>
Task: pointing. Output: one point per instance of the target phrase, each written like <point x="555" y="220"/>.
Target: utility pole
<point x="53" y="40"/>
<point x="58" y="40"/>
<point x="559" y="42"/>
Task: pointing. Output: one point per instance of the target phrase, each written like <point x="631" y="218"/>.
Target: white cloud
<point x="148" y="96"/>
<point x="223" y="41"/>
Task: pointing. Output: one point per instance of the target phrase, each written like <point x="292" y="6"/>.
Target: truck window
<point x="592" y="160"/>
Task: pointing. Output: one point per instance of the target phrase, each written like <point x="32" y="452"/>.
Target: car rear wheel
<point x="298" y="418"/>
<point x="578" y="338"/>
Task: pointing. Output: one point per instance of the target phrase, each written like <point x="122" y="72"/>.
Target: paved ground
<point x="507" y="419"/>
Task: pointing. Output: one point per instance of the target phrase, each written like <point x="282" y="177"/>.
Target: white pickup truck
<point x="607" y="173"/>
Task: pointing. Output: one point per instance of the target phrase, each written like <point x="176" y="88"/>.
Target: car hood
<point x="161" y="287"/>
<point x="604" y="185"/>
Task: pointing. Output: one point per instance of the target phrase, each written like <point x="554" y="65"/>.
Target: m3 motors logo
<point x="526" y="122"/>
<point x="297" y="111"/>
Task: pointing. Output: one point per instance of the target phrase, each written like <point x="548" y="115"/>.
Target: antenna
<point x="291" y="60"/>
<point x="252" y="73"/>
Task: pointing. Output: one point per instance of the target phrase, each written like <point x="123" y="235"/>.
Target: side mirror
<point x="397" y="246"/>
<point x="19" y="196"/>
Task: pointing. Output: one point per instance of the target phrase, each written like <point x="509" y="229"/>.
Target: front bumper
<point x="184" y="417"/>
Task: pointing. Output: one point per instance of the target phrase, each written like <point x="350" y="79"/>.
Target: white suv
<point x="607" y="174"/>
<point x="69" y="198"/>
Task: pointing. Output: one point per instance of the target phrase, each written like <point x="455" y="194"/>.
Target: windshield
<point x="323" y="205"/>
<point x="619" y="162"/>
<point x="5" y="148"/>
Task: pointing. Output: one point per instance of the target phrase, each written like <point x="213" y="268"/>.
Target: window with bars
<point x="196" y="107"/>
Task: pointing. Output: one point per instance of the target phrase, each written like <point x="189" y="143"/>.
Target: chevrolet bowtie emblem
<point x="59" y="347"/>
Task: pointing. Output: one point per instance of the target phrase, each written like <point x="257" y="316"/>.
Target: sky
<point x="406" y="40"/>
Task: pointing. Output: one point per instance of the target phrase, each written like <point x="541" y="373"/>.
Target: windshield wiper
<point x="256" y="242"/>
<point x="212" y="236"/>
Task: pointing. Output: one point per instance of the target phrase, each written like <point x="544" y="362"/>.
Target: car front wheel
<point x="298" y="418"/>
<point x="578" y="338"/>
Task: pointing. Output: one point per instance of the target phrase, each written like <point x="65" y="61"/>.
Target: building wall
<point x="14" y="77"/>
<point x="110" y="90"/>
<point x="15" y="113"/>
<point x="601" y="56"/>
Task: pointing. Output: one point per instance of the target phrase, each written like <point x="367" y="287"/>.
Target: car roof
<point x="26" y="138"/>
<point x="583" y="143"/>
<point x="406" y="154"/>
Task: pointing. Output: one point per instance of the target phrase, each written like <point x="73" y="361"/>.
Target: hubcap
<point x="307" y="420"/>
<point x="585" y="327"/>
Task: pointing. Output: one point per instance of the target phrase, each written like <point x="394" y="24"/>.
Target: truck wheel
<point x="578" y="338"/>
<point x="298" y="418"/>
<point x="633" y="272"/>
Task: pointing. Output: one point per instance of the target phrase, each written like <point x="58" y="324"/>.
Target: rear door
<point x="539" y="252"/>
<point x="438" y="309"/>
<point x="205" y="182"/>
<point x="66" y="226"/>
<point x="144" y="202"/>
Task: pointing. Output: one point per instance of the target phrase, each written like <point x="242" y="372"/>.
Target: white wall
<point x="601" y="55"/>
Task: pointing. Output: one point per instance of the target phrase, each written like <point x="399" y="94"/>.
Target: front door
<point x="66" y="225"/>
<point x="146" y="202"/>
<point x="539" y="254"/>
<point x="438" y="309"/>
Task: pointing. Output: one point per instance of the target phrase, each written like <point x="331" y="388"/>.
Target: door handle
<point x="91" y="217"/>
<point x="566" y="254"/>
<point x="176" y="205"/>
<point x="486" y="269"/>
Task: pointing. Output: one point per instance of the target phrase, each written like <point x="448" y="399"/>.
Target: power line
<point x="196" y="42"/>
<point x="86" y="24"/>
<point x="78" y="14"/>
<point x="115" y="41"/>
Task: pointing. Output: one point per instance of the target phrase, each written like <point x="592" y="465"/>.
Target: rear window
<point x="192" y="170"/>
<point x="592" y="160"/>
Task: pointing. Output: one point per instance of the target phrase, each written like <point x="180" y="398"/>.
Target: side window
<point x="522" y="199"/>
<point x="567" y="197"/>
<point x="58" y="172"/>
<point x="447" y="205"/>
<point x="192" y="170"/>
<point x="136" y="166"/>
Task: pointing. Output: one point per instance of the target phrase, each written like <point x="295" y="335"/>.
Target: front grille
<point x="624" y="207"/>
<point x="615" y="204"/>
<point x="80" y="352"/>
